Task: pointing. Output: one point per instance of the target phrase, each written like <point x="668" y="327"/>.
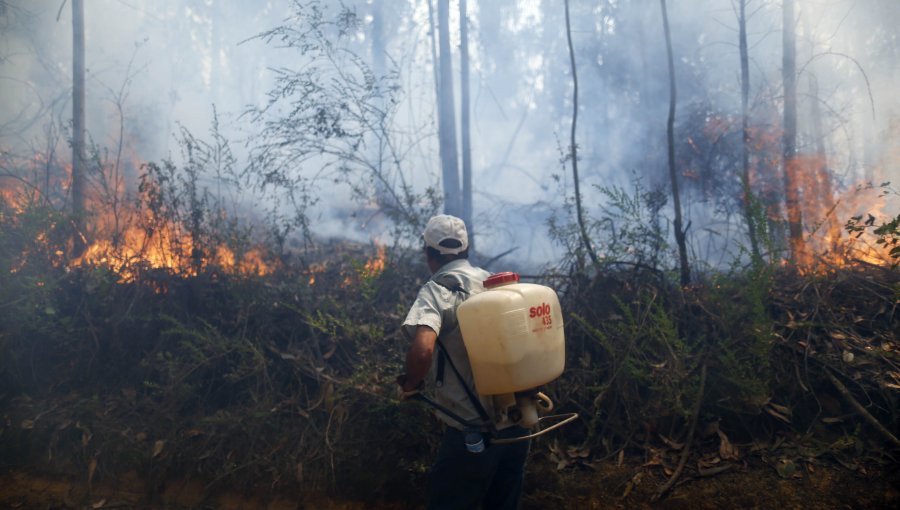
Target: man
<point x="459" y="477"/>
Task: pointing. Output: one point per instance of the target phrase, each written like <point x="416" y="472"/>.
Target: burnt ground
<point x="630" y="485"/>
<point x="752" y="485"/>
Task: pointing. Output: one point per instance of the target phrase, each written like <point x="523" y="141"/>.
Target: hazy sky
<point x="156" y="65"/>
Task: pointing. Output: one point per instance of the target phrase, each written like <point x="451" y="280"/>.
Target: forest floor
<point x="628" y="485"/>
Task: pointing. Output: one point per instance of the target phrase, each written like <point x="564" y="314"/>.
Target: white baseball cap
<point x="446" y="234"/>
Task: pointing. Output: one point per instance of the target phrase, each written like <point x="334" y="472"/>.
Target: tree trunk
<point x="464" y="122"/>
<point x="670" y="137"/>
<point x="749" y="204"/>
<point x="378" y="43"/>
<point x="447" y="118"/>
<point x="573" y="147"/>
<point x="78" y="127"/>
<point x="791" y="167"/>
<point x="824" y="192"/>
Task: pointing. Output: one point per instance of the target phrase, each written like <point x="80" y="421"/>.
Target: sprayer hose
<point x="567" y="418"/>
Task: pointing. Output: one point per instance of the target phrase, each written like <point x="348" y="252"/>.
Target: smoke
<point x="155" y="67"/>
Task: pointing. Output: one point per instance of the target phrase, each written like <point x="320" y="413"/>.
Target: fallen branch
<point x="860" y="409"/>
<point x="690" y="439"/>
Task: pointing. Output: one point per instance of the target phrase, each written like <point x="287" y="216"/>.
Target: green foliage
<point x="743" y="340"/>
<point x="628" y="229"/>
<point x="886" y="234"/>
<point x="631" y="227"/>
<point x="636" y="347"/>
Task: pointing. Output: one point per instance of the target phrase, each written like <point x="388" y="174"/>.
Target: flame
<point x="313" y="270"/>
<point x="138" y="249"/>
<point x="119" y="236"/>
<point x="827" y="245"/>
<point x="371" y="268"/>
<point x="375" y="266"/>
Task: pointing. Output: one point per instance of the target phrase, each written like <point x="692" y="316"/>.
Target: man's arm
<point x="418" y="357"/>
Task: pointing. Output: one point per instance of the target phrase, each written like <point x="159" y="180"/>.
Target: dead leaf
<point x="708" y="461"/>
<point x="655" y="458"/>
<point x="561" y="462"/>
<point x="158" y="447"/>
<point x="621" y="458"/>
<point x="727" y="451"/>
<point x="779" y="412"/>
<point x="635" y="480"/>
<point x="330" y="351"/>
<point x="843" y="443"/>
<point x="780" y="408"/>
<point x="579" y="453"/>
<point x="99" y="504"/>
<point x="786" y="468"/>
<point x="192" y="432"/>
<point x="672" y="444"/>
<point x="92" y="468"/>
<point x="628" y="487"/>
<point x="27" y="424"/>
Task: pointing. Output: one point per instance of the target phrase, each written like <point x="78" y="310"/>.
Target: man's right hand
<point x="405" y="392"/>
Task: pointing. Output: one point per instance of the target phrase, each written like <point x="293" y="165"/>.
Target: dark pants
<point x="490" y="479"/>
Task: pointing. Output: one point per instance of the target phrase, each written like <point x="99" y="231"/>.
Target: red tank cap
<point x="501" y="278"/>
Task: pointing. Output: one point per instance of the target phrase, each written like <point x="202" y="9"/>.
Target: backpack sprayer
<point x="513" y="333"/>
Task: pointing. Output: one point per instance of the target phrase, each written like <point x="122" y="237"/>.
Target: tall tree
<point x="824" y="192"/>
<point x="464" y="122"/>
<point x="670" y="137"/>
<point x="791" y="167"/>
<point x="749" y="203"/>
<point x="378" y="41"/>
<point x="446" y="115"/>
<point x="78" y="126"/>
<point x="573" y="147"/>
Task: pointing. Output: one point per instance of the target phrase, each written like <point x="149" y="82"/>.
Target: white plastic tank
<point x="513" y="333"/>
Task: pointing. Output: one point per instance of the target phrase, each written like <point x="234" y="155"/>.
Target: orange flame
<point x="137" y="250"/>
<point x="371" y="268"/>
<point x="375" y="266"/>
<point x="827" y="245"/>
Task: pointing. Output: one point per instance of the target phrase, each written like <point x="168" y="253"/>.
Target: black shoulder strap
<point x="476" y="402"/>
